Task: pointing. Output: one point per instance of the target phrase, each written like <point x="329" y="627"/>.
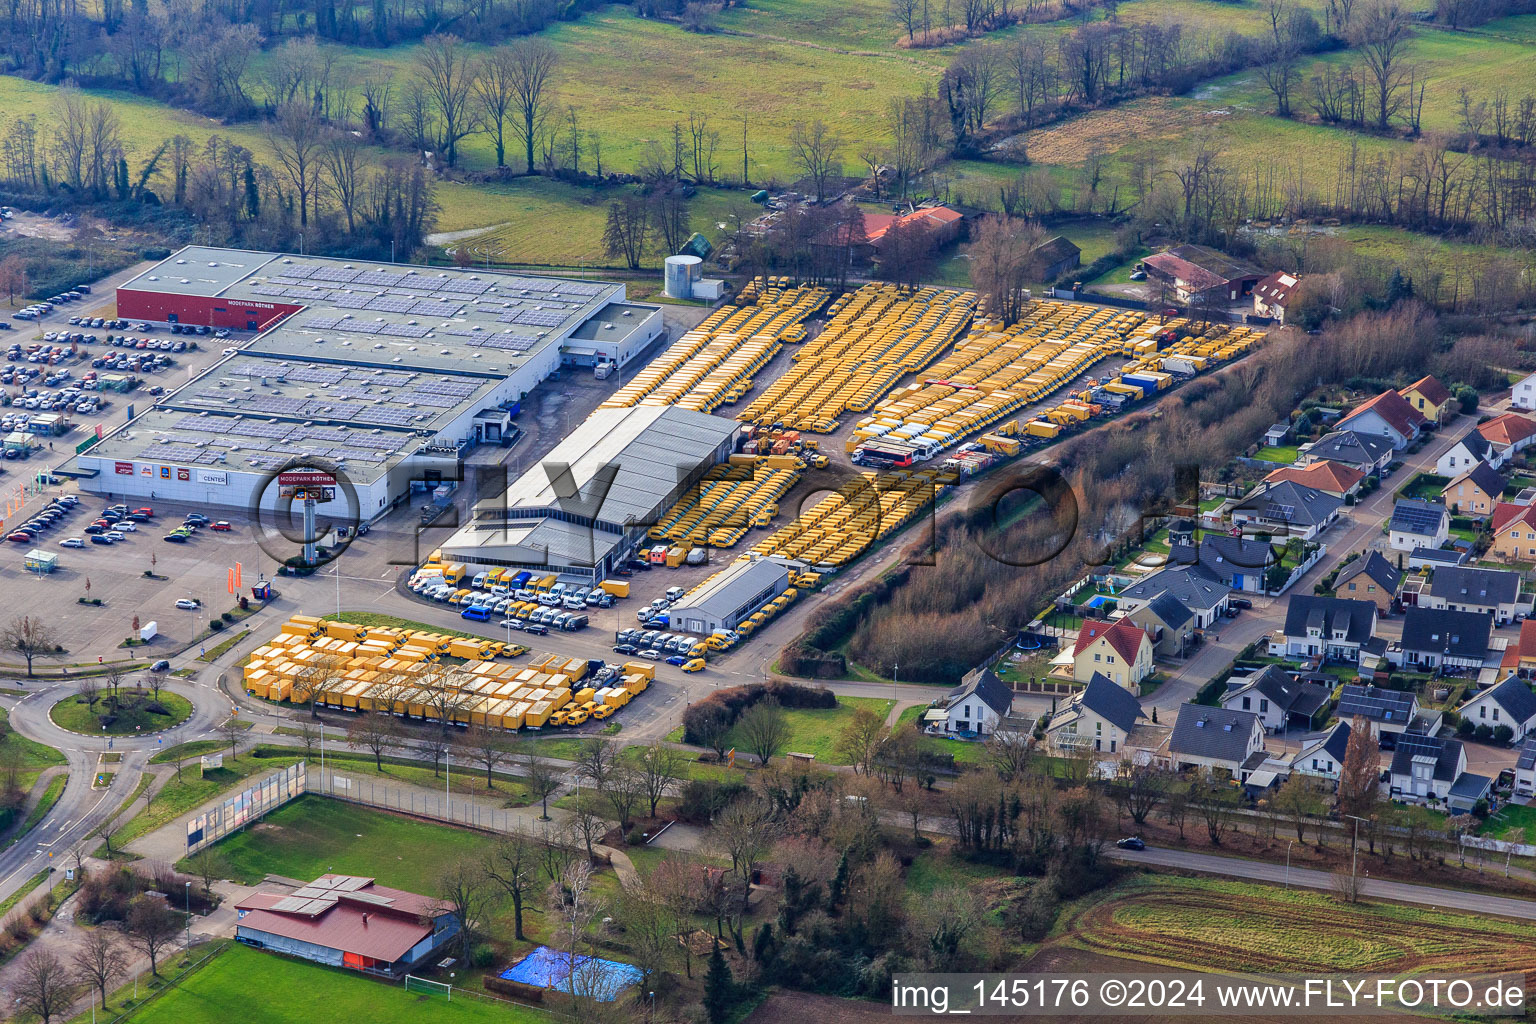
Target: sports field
<point x="242" y="984"/>
<point x="312" y="836"/>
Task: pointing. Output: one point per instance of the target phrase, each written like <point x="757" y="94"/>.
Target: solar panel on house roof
<point x="1419" y="518"/>
<point x="1277" y="511"/>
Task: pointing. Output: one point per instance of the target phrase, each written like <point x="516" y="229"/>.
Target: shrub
<point x="482" y="956"/>
<point x="1483" y="733"/>
<point x="733" y="701"/>
<point x="215" y="624"/>
<point x="228" y="616"/>
<point x="1465" y="728"/>
<point x="1502" y="734"/>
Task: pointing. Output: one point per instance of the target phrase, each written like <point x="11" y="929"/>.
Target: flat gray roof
<point x="200" y="270"/>
<point x="541" y="542"/>
<point x="733" y="586"/>
<point x="251" y="444"/>
<point x="617" y="466"/>
<point x="369" y="396"/>
<point x="615" y="322"/>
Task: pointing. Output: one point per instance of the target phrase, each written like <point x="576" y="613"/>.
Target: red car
<point x="145" y="511"/>
<point x="221" y="525"/>
<point x="21" y="538"/>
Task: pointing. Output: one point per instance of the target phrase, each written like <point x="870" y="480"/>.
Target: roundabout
<point x="131" y="712"/>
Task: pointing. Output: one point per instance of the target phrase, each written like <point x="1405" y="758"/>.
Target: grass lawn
<point x="32" y="756"/>
<point x="1285" y="454"/>
<point x="963" y="751"/>
<point x="196" y="748"/>
<point x="259" y="988"/>
<point x="217" y="651"/>
<point x="936" y="868"/>
<point x="313" y="835"/>
<point x="44" y="804"/>
<point x="139" y="712"/>
<point x="1514" y="823"/>
<point x="815" y="731"/>
<point x="1423" y="486"/>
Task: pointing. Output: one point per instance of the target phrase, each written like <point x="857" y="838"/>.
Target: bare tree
<point x="447" y="75"/>
<point x="233" y="728"/>
<point x="341" y="161"/>
<point x="309" y="736"/>
<point x="375" y="733"/>
<point x="532" y="63"/>
<point x="627" y="230"/>
<point x="99" y="960"/>
<point x="43" y="985"/>
<point x="151" y="927"/>
<point x="861" y="738"/>
<point x="29" y="636"/>
<point x="543" y="779"/>
<point x="1381" y="32"/>
<point x="660" y="766"/>
<point x="623" y="790"/>
<point x="905" y="13"/>
<point x="207" y="865"/>
<point x="465" y="891"/>
<point x="745" y="831"/>
<point x="596" y="761"/>
<point x="13" y="277"/>
<point x="763" y="729"/>
<point x="297" y="137"/>
<point x="487" y="747"/>
<point x="1001" y="256"/>
<point x="815" y="151"/>
<point x="496" y="95"/>
<point x="514" y="865"/>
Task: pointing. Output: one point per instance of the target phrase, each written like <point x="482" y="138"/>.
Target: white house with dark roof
<point x="1211" y="738"/>
<point x="1323" y="757"/>
<point x="1425" y="768"/>
<point x="1239" y="562"/>
<point x="1493" y="592"/>
<point x="1508" y="703"/>
<point x="1276" y="697"/>
<point x="972" y="709"/>
<point x="1330" y="628"/>
<point x="1437" y="638"/>
<point x="1523" y="394"/>
<point x="1525" y="769"/>
<point x="1191" y="585"/>
<point x="1097" y="718"/>
<point x="1370" y="453"/>
<point x="1287" y="509"/>
<point x="1389" y="713"/>
<point x="1470" y="449"/>
<point x="1418" y="524"/>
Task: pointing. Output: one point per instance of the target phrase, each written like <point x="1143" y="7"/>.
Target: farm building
<point x="379" y="377"/>
<point x="728" y="598"/>
<point x="589" y="502"/>
<point x="1054" y="257"/>
<point x="347" y="921"/>
<point x="1195" y="272"/>
<point x="1272" y="295"/>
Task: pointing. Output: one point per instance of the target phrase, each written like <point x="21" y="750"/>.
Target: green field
<point x="31" y="756"/>
<point x="313" y="835"/>
<point x="242" y="984"/>
<point x="815" y="731"/>
<point x="74" y="714"/>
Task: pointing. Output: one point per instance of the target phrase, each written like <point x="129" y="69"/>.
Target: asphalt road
<point x="1310" y="878"/>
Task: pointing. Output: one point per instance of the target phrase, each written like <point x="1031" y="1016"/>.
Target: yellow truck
<point x="618" y="588"/>
<point x="452" y="574"/>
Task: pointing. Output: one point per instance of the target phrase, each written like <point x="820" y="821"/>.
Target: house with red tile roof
<point x="347" y="921"/>
<point x="1430" y="399"/>
<point x="1387" y="415"/>
<point x="1520" y="656"/>
<point x="1335" y="478"/>
<point x="1508" y="434"/>
<point x="1121" y="650"/>
<point x="1514" y="532"/>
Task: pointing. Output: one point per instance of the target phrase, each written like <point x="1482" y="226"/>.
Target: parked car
<point x="72" y="542"/>
<point x="222" y="526"/>
<point x="1132" y="843"/>
<point x="186" y="604"/>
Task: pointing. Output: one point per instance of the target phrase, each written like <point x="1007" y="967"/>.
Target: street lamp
<point x="189" y="914"/>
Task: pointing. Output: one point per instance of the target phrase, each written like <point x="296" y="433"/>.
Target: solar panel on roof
<point x="404" y="330"/>
<point x="432" y="308"/>
<point x="322" y="323"/>
<point x="267" y="289"/>
<point x="333" y="273"/>
<point x="353" y="301"/>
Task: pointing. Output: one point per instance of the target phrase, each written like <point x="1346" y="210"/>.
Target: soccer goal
<point x="430" y="987"/>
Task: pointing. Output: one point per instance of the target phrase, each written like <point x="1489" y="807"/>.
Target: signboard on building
<point x="309" y="483"/>
<point x="183" y="474"/>
<point x="217" y="477"/>
<point x="123" y="468"/>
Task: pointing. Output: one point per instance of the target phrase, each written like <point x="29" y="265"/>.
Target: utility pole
<point x="1354" y="858"/>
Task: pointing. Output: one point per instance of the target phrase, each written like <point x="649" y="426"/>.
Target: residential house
<point x="1387" y="415"/>
<point x="1493" y="592"/>
<point x="1523" y="394"/>
<point x="1329" y="628"/>
<point x="1389" y="713"/>
<point x="1286" y="509"/>
<point x="1514" y="532"/>
<point x="1211" y="738"/>
<point x="1508" y="703"/>
<point x="1170" y="625"/>
<point x="973" y="708"/>
<point x="1120" y="650"/>
<point x="1470" y="449"/>
<point x="1520" y="656"/>
<point x="1424" y="768"/>
<point x="347" y="921"/>
<point x="1338" y="479"/>
<point x="1418" y="524"/>
<point x="1437" y="638"/>
<point x="1098" y="717"/>
<point x="1430" y="399"/>
<point x="1193" y="273"/>
<point x="1239" y="562"/>
<point x="1434" y="558"/>
<point x="1280" y="701"/>
<point x="1508" y="434"/>
<point x="1369" y="578"/>
<point x="1525" y="767"/>
<point x="1273" y="294"/>
<point x="1474" y="492"/>
<point x="1323" y="757"/>
<point x="1054" y="257"/>
<point x="1191" y="585"/>
<point x="1369" y="453"/>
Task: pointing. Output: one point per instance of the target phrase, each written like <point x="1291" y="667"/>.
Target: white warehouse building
<point x="386" y="374"/>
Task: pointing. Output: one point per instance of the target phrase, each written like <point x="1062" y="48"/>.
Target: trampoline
<point x="549" y="968"/>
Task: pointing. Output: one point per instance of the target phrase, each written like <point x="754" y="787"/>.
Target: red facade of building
<point x="238" y="314"/>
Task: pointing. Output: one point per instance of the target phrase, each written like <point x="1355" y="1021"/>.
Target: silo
<point x="680" y="273"/>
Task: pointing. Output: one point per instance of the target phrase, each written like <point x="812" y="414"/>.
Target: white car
<point x="126" y="526"/>
<point x="72" y="542"/>
<point x="115" y="536"/>
<point x="186" y="604"/>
